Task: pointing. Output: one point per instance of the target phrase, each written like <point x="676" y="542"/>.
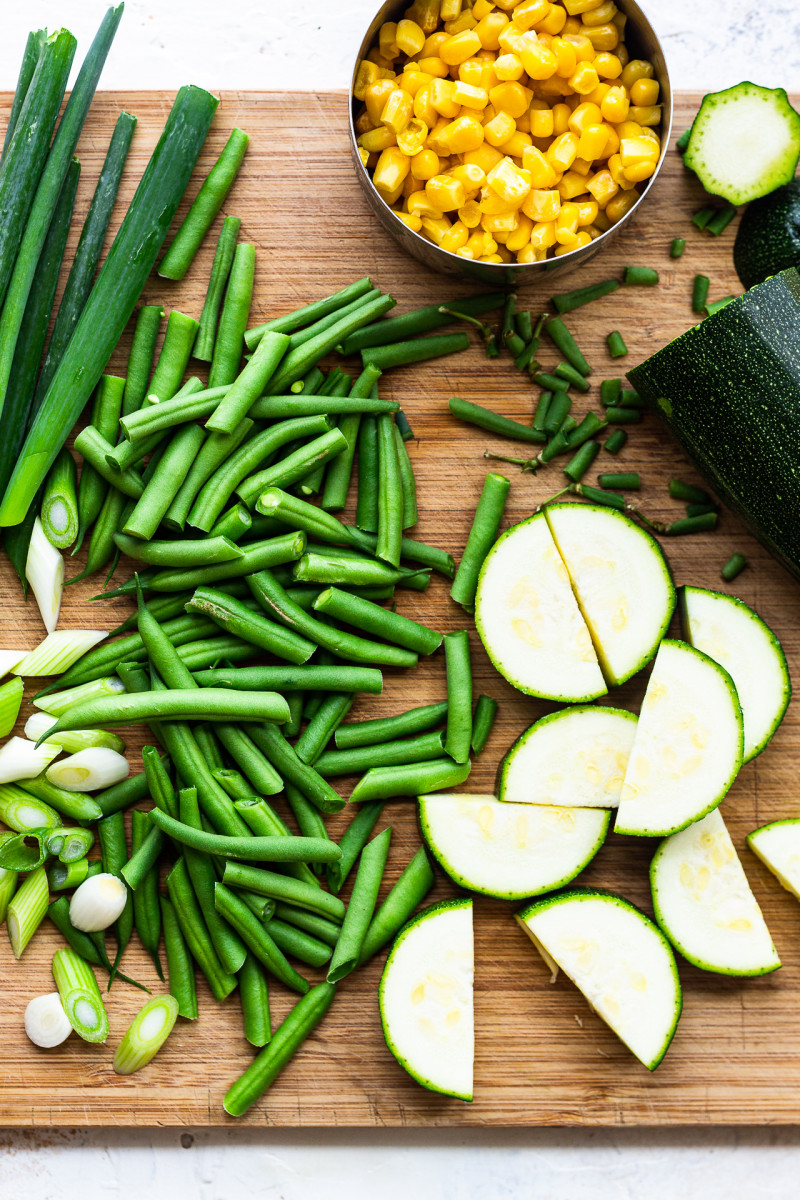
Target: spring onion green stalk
<point x="46" y="1023"/>
<point x="98" y="902"/>
<point x="23" y="852"/>
<point x="27" y="909"/>
<point x="56" y="703"/>
<point x="8" y="880"/>
<point x="109" y="306"/>
<point x="71" y="741"/>
<point x="30" y="57"/>
<point x="59" y="507"/>
<point x="67" y="876"/>
<point x="44" y="570"/>
<point x="58" y="651"/>
<point x="80" y="996"/>
<point x="21" y="759"/>
<point x="10" y="702"/>
<point x="69" y="844"/>
<point x="146" y="1034"/>
<point x="410" y="890"/>
<point x="88" y="770"/>
<point x="220" y="270"/>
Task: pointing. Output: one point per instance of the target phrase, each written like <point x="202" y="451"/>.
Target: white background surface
<point x="310" y="44"/>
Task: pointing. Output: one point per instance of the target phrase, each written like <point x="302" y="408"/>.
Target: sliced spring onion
<point x="23" y="812"/>
<point x="87" y="771"/>
<point x="44" y="571"/>
<point x="146" y="1034"/>
<point x="20" y="759"/>
<point x="9" y="659"/>
<point x="46" y="1023"/>
<point x="69" y="740"/>
<point x="57" y="703"/>
<point x="24" y="851"/>
<point x="69" y="843"/>
<point x="59" y="507"/>
<point x="59" y="651"/>
<point x="98" y="902"/>
<point x="80" y="996"/>
<point x="27" y="910"/>
<point x="10" y="702"/>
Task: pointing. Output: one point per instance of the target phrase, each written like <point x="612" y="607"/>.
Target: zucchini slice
<point x="506" y="852"/>
<point x="573" y="758"/>
<point x="618" y="958"/>
<point x="768" y="237"/>
<point x="778" y="847"/>
<point x="621" y="582"/>
<point x="704" y="904"/>
<point x="745" y="142"/>
<point x="733" y="635"/>
<point x="425" y="998"/>
<point x="688" y="745"/>
<point x="529" y="620"/>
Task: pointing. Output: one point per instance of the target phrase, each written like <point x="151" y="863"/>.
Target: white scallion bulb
<point x="88" y="770"/>
<point x="46" y="1023"/>
<point x="97" y="903"/>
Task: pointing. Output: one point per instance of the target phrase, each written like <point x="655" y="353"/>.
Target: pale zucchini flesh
<point x="618" y="958"/>
<point x="688" y="745"/>
<point x="704" y="904"/>
<point x="621" y="582"/>
<point x="426" y="998"/>
<point x="576" y="757"/>
<point x="510" y="852"/>
<point x="529" y="621"/>
<point x="778" y="847"/>
<point x="733" y="635"/>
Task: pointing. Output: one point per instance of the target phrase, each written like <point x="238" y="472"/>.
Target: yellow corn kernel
<point x="376" y="96"/>
<point x="561" y="116"/>
<point x="637" y="68"/>
<point x="433" y="44"/>
<point x="602" y="222"/>
<point x="599" y="94"/>
<point x="464" y="252"/>
<point x="566" y="58"/>
<point x="554" y="22"/>
<point x="372" y="160"/>
<point x="493" y="204"/>
<point x="601" y="15"/>
<point x="509" y="68"/>
<point x="541" y="122"/>
<point x="530" y="13"/>
<point x="539" y="61"/>
<point x="516" y="145"/>
<point x="460" y="47"/>
<point x="390" y="172"/>
<point x="502" y="223"/>
<point x="509" y="182"/>
<point x="478" y="243"/>
<point x="377" y="140"/>
<point x="482" y="8"/>
<point x="397" y="111"/>
<point x="650" y="115"/>
<point x="362" y="122"/>
<point x="435" y="228"/>
<point x="364" y="156"/>
<point x="472" y="177"/>
<point x="592" y="143"/>
<point x="485" y="157"/>
<point x="566" y="221"/>
<point x="640" y="171"/>
<point x="412" y="139"/>
<point x="412" y="185"/>
<point x="432" y="141"/>
<point x="637" y="149"/>
<point x="520" y="236"/>
<point x="425" y="165"/>
<point x="413" y="221"/>
<point x="623" y="56"/>
<point x="603" y="38"/>
<point x="562" y="152"/>
<point x="489" y="29"/>
<point x="542" y="172"/>
<point x="420" y="204"/>
<point x="446" y="193"/>
<point x="571" y="184"/>
<point x="501" y="236"/>
<point x="469" y="96"/>
<point x="528" y="254"/>
<point x="629" y="129"/>
<point x="554" y="89"/>
<point x="617" y="208"/>
<point x="587" y="211"/>
<point x="470" y="214"/>
<point x="412" y="80"/>
<point x="506" y="5"/>
<point x="584" y="50"/>
<point x="425" y="13"/>
<point x="386" y="73"/>
<point x="434" y="67"/>
<point x="477" y="74"/>
<point x="572" y="25"/>
<point x="499" y="129"/>
<point x="456" y="237"/>
<point x="442" y="93"/>
<point x="616" y="105"/>
<point x="449" y="10"/>
<point x="612" y="140"/>
<point x="409" y="37"/>
<point x="583" y="116"/>
<point x="366" y="75"/>
<point x="461" y="135"/>
<point x="423" y="109"/>
<point x="644" y="92"/>
<point x="584" y="80"/>
<point x="618" y="173"/>
<point x="509" y="39"/>
<point x="461" y="23"/>
<point x="543" y="235"/>
<point x="576" y="7"/>
<point x="543" y="205"/>
<point x="387" y="40"/>
<point x="580" y="239"/>
<point x="607" y="66"/>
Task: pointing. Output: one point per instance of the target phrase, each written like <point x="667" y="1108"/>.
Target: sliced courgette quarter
<point x="529" y="621"/>
<point x="768" y="237"/>
<point x="733" y="635"/>
<point x="621" y="582"/>
<point x="426" y="998"/>
<point x="510" y="852"/>
<point x="704" y="904"/>
<point x="688" y="745"/>
<point x="618" y="958"/>
<point x="778" y="847"/>
<point x="576" y="757"/>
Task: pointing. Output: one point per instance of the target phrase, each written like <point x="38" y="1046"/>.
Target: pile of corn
<point x="507" y="131"/>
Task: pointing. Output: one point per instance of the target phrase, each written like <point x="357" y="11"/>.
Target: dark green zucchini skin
<point x="729" y="390"/>
<point x="768" y="238"/>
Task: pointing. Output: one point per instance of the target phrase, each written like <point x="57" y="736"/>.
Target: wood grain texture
<point x="541" y="1056"/>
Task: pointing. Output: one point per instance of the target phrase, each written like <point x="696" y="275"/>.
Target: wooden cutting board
<point x="541" y="1056"/>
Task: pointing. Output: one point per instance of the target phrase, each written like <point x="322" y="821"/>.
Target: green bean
<point x="337" y="478"/>
<point x="95" y="449"/>
<point x="710" y="309"/>
<point x="212" y="651"/>
<point x="580" y="462"/>
<point x="574" y="378"/>
<point x="700" y="293"/>
<point x="367" y="503"/>
<point x="610" y="391"/>
<point x="309" y="897"/>
<point x="322" y="726"/>
<point x="459" y="696"/>
<point x="482" y="536"/>
<point x="236" y="524"/>
<point x="179" y="963"/>
<point x="216" y="449"/>
<point x="399" y="354"/>
<point x="733" y="567"/>
<point x="301" y="358"/>
<point x="324" y="323"/>
<point x="689" y="492"/>
<point x="282" y="848"/>
<point x="174" y="357"/>
<point x="622" y="416"/>
<point x="299" y="514"/>
<point x="106" y="411"/>
<point x="385" y="729"/>
<point x="291" y="728"/>
<point x="361" y="907"/>
<point x="299" y="944"/>
<point x="408" y="484"/>
<point x="195" y="931"/>
<point x="235" y="617"/>
<point x="114" y="853"/>
<point x="621" y="481"/>
<point x="312" y="382"/>
<point x="616" y="344"/>
<point x="101" y="545"/>
<point x="565" y="343"/>
<point x="233" y="321"/>
<point x="371" y="618"/>
<point x="351" y="844"/>
<point x="721" y="220"/>
<point x="144" y="428"/>
<point x="146" y="846"/>
<point x="146" y="908"/>
<point x="614" y="443"/>
<point x="589" y="426"/>
<point x="287" y="1039"/>
<point x="257" y="556"/>
<point x="123" y="795"/>
<point x="597" y="495"/>
<point x="482" y="722"/>
<point x="249" y="385"/>
<point x="188" y="553"/>
<point x="419" y="320"/>
<point x="310" y="313"/>
<point x="356" y="573"/>
<point x="276" y="603"/>
<point x="176" y="704"/>
<point x="262" y="775"/>
<point x="279" y="407"/>
<point x="417" y="552"/>
<point x="410" y="890"/>
<point x="263" y="820"/>
<point x="630" y="399"/>
<point x="677" y="248"/>
<point x="205" y="737"/>
<point x="405" y="751"/>
<point x="292" y="768"/>
<point x="162" y="488"/>
<point x="701" y="218"/>
<point x="485" y="418"/>
<point x="292" y="679"/>
<point x="205" y="206"/>
<point x="254" y="998"/>
<point x="386" y="783"/>
<point x="255" y="936"/>
<point x="91" y="668"/>
<point x="640" y="276"/>
<point x="220" y="270"/>
<point x="293" y="467"/>
<point x="558" y="411"/>
<point x="140" y="360"/>
<point x="569" y="301"/>
<point x="319" y="927"/>
<point x="697" y="524"/>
